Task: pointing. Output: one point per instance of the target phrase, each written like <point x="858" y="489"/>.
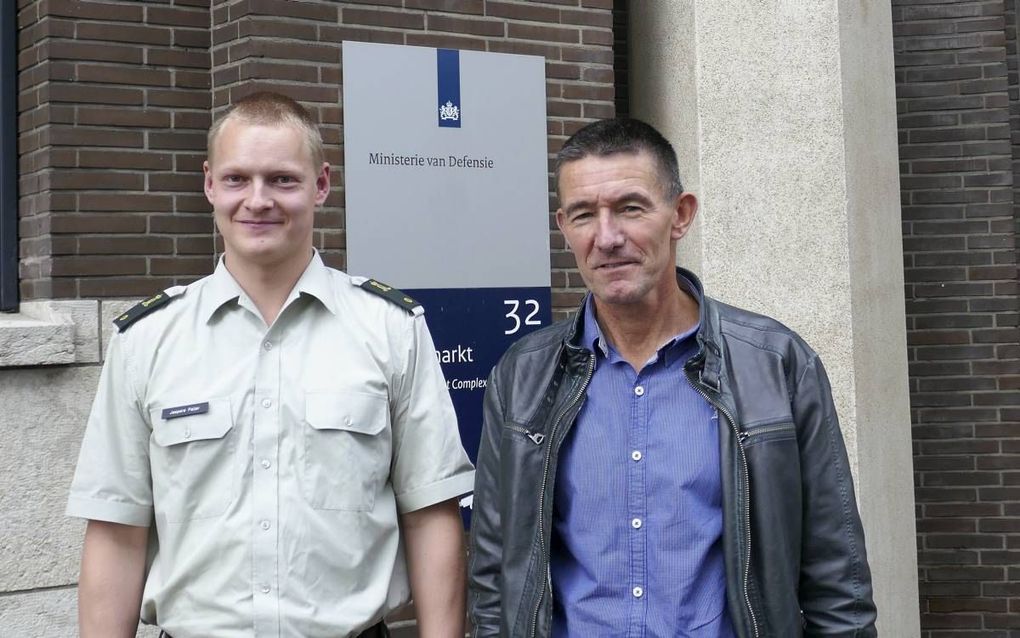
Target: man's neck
<point x="637" y="331"/>
<point x="268" y="286"/>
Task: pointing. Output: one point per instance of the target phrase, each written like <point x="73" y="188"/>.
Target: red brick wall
<point x="114" y="102"/>
<point x="116" y="96"/>
<point x="956" y="88"/>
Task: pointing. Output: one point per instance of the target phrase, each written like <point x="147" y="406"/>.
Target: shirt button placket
<point x="638" y="505"/>
<point x="265" y="489"/>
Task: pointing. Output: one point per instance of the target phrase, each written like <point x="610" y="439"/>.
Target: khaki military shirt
<point x="272" y="462"/>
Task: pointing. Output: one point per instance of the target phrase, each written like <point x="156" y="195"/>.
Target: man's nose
<point x="259" y="198"/>
<point x="608" y="233"/>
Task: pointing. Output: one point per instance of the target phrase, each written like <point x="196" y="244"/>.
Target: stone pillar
<point x="784" y="120"/>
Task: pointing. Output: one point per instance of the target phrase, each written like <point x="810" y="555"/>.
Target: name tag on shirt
<point x="185" y="410"/>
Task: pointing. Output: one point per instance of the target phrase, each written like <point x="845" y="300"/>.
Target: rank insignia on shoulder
<point x="392" y="294"/>
<point x="143" y="308"/>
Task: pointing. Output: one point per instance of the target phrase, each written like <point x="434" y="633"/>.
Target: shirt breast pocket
<point x="347" y="449"/>
<point x="193" y="469"/>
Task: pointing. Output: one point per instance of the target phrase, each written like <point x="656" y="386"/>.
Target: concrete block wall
<point x="45" y="401"/>
<point x="956" y="69"/>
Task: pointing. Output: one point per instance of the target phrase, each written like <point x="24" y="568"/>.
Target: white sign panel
<point x="445" y="175"/>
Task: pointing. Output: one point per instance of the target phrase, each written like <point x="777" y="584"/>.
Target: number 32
<point x="511" y="314"/>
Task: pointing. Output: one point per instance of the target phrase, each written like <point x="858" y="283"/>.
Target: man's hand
<point x="434" y="537"/>
<point x="111" y="580"/>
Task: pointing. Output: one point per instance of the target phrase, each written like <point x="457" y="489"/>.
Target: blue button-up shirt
<point x="637" y="519"/>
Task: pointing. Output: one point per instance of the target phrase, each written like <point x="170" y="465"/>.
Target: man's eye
<point x="285" y="179"/>
<point x="233" y="179"/>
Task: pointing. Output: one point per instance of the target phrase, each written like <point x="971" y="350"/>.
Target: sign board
<point x="445" y="169"/>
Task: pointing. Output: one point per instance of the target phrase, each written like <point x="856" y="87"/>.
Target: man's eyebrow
<point x="576" y="206"/>
<point x="629" y="196"/>
<point x="635" y="196"/>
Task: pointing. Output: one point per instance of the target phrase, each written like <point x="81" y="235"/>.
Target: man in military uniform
<point x="272" y="450"/>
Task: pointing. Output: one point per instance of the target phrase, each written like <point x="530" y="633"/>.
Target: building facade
<point x="112" y="99"/>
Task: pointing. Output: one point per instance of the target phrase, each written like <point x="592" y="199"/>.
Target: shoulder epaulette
<point x="392" y="294"/>
<point x="143" y="308"/>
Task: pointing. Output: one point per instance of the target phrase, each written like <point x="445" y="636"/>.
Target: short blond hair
<point x="266" y="108"/>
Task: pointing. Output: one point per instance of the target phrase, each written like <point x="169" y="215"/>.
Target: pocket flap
<point x="349" y="411"/>
<point x="213" y="424"/>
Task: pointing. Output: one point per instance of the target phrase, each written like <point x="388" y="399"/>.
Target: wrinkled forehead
<point x="607" y="175"/>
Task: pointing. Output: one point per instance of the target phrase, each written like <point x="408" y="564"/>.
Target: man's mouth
<point x="616" y="265"/>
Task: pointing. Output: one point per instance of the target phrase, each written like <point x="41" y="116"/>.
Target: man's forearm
<point x="111" y="580"/>
<point x="435" y="555"/>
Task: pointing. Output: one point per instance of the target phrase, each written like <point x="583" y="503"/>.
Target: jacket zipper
<point x="747" y="490"/>
<point x="536" y="437"/>
<point x="541" y="493"/>
<point x="765" y="429"/>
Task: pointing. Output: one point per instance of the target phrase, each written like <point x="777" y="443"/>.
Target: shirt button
<point x="636" y="523"/>
<point x="264" y="589"/>
<point x="266" y="463"/>
<point x="264" y="524"/>
<point x="187" y="434"/>
<point x="267" y="403"/>
<point x="638" y="592"/>
<point x="268" y="345"/>
<point x="349" y="421"/>
<point x="635" y="455"/>
<point x="639" y="390"/>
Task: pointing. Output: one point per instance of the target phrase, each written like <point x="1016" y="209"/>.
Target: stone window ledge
<point x="58" y="332"/>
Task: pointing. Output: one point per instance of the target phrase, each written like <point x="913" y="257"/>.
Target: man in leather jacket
<point x="662" y="464"/>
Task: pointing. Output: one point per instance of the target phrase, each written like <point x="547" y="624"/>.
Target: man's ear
<point x="207" y="181"/>
<point x="322" y="184"/>
<point x="686" y="209"/>
<point x="560" y="218"/>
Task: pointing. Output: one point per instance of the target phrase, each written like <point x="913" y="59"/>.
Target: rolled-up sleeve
<point x="429" y="461"/>
<point x="112" y="481"/>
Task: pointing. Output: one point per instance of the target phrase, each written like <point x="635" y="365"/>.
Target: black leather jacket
<point x="793" y="543"/>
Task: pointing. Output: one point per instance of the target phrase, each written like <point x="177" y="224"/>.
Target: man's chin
<point x="617" y="295"/>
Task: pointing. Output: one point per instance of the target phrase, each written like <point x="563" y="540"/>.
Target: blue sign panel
<point x="448" y="77"/>
<point x="472" y="328"/>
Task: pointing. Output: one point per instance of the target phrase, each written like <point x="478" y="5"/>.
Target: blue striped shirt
<point x="637" y="518"/>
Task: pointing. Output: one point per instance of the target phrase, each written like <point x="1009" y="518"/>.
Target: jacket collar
<point x="709" y="353"/>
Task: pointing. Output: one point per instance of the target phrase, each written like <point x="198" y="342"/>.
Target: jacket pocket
<point x="765" y="432"/>
<point x="346" y="455"/>
<point x="193" y="464"/>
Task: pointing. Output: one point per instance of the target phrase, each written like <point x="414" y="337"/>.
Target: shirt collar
<point x="222" y="288"/>
<point x="593" y="339"/>
<point x="316" y="282"/>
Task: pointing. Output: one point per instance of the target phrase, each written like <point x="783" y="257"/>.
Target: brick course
<point x="956" y="67"/>
<point x="114" y="105"/>
<point x="115" y="98"/>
